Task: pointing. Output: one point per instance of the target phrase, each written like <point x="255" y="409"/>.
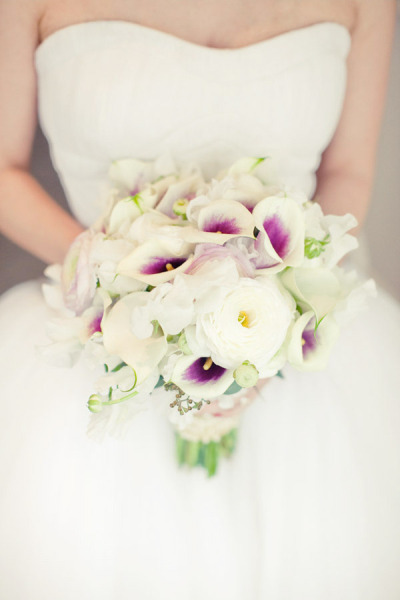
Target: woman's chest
<point x="222" y="24"/>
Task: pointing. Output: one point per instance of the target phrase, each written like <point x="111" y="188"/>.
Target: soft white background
<point x="382" y="229"/>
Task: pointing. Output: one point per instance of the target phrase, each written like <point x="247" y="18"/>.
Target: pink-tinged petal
<point x="207" y="252"/>
<point x="78" y="281"/>
<point x="187" y="188"/>
<point x="190" y="375"/>
<point x="154" y="262"/>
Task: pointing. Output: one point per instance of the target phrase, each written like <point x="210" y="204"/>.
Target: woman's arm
<point x="28" y="215"/>
<point x="346" y="172"/>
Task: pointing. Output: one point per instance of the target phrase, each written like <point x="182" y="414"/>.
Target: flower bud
<point x="183" y="345"/>
<point x="95" y="405"/>
<point x="246" y="375"/>
<point x="179" y="207"/>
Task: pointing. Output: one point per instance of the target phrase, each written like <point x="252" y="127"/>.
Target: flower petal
<point x="190" y="375"/>
<point x="143" y="355"/>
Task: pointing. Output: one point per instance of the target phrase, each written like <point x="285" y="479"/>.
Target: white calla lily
<point x="153" y="224"/>
<point x="318" y="289"/>
<point x="281" y="239"/>
<point x="309" y="347"/>
<point x="187" y="188"/>
<point x="154" y="262"/>
<point x="200" y="377"/>
<point x="143" y="355"/>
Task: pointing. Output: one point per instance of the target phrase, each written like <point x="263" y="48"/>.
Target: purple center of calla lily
<point x="221" y="224"/>
<point x="197" y="374"/>
<point x="158" y="264"/>
<point x="95" y="325"/>
<point x="278" y="235"/>
<point x="309" y="341"/>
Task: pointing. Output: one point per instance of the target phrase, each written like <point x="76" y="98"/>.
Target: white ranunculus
<point x="249" y="323"/>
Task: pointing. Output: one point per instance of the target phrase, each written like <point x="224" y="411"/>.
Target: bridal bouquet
<point x="186" y="292"/>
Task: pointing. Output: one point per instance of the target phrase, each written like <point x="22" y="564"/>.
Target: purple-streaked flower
<point x="309" y="347"/>
<point x="154" y="262"/>
<point x="217" y="222"/>
<point x="200" y="377"/>
<point x="280" y="241"/>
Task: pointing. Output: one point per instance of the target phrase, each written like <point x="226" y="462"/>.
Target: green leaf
<point x="160" y="382"/>
<point x="233" y="389"/>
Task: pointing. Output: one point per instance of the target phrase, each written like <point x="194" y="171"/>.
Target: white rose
<point x="250" y="322"/>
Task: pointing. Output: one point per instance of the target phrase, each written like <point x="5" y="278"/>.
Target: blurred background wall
<point x="382" y="229"/>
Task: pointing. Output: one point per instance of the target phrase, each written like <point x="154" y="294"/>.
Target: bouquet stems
<point x="205" y="455"/>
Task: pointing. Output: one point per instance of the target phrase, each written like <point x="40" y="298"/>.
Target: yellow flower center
<point x="243" y="319"/>
<point x="207" y="364"/>
<point x="169" y="267"/>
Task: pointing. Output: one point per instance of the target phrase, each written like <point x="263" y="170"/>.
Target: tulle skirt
<point x="308" y="508"/>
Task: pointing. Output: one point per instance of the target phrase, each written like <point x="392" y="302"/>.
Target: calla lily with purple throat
<point x="219" y="221"/>
<point x="154" y="262"/>
<point x="280" y="241"/>
<point x="309" y="347"/>
<point x="200" y="377"/>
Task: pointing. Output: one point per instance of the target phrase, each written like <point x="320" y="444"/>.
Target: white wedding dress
<point x="309" y="506"/>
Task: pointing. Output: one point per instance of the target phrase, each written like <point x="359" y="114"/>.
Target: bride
<point x="308" y="508"/>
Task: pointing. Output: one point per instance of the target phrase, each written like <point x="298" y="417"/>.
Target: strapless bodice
<point x="114" y="89"/>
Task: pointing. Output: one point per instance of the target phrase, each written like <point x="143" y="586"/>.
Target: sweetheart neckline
<point x="150" y="31"/>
